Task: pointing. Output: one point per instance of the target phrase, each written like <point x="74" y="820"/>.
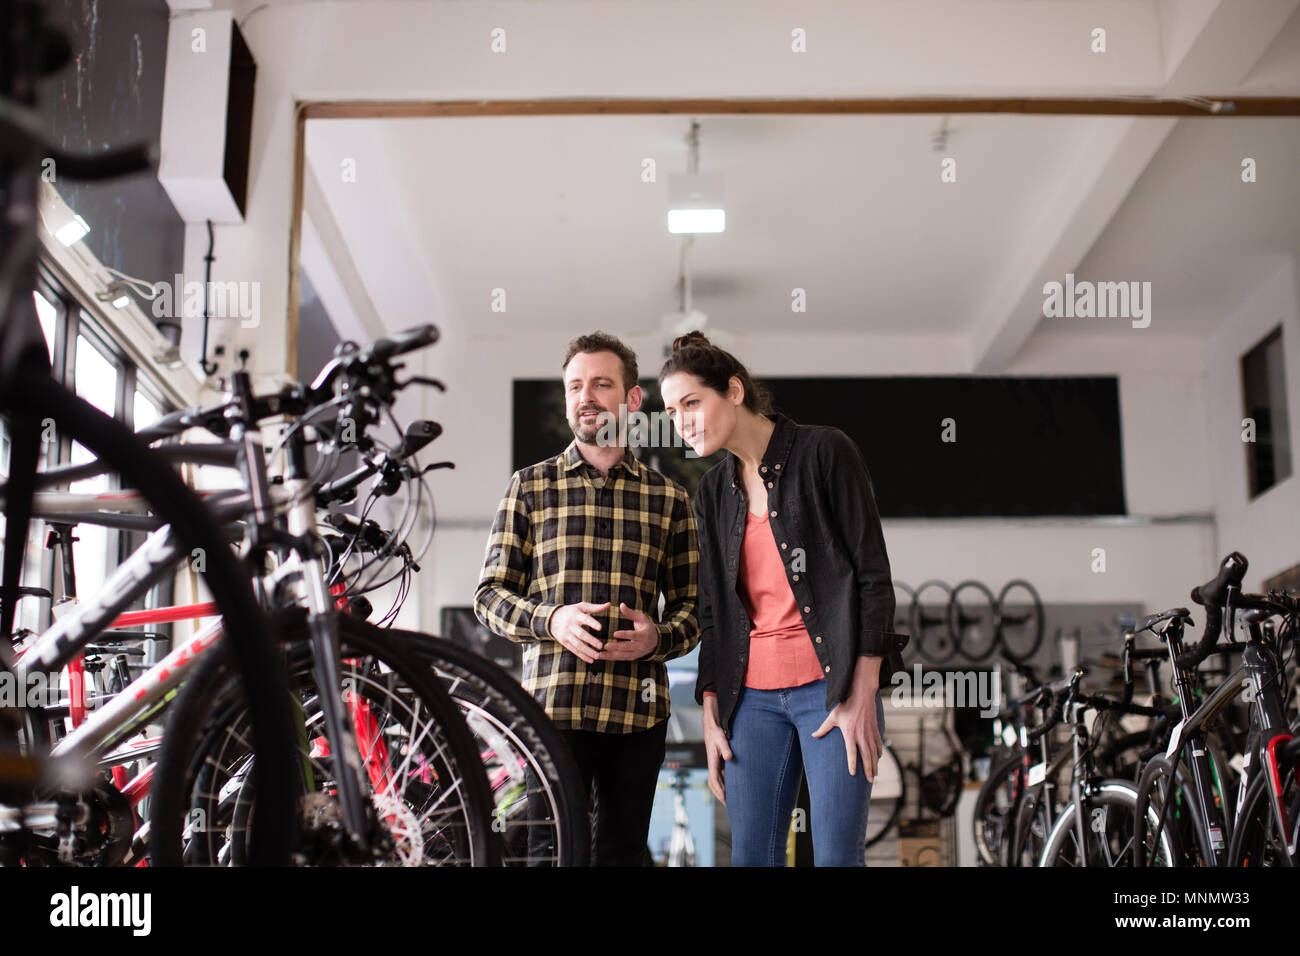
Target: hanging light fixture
<point x="695" y="200"/>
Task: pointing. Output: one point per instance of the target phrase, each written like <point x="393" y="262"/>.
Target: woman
<point x="795" y="606"/>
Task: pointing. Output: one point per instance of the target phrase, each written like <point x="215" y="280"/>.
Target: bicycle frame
<point x="1260" y="670"/>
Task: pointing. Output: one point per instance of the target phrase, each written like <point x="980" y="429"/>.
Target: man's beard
<point x="587" y="433"/>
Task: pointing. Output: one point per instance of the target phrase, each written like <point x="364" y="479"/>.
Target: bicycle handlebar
<point x="1212" y="596"/>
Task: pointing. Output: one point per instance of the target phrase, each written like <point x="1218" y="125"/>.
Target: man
<point x="582" y="546"/>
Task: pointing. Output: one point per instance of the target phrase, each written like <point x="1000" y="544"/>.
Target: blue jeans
<point x="771" y="736"/>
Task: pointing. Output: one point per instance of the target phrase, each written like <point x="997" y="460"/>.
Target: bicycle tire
<point x="992" y="824"/>
<point x="1188" y="831"/>
<point x="1016" y="653"/>
<point x="941" y="648"/>
<point x="258" y="667"/>
<point x="209" y="702"/>
<point x="477" y="684"/>
<point x="973" y="650"/>
<point x="890" y="802"/>
<point x="1107" y="795"/>
<point x="1254" y="841"/>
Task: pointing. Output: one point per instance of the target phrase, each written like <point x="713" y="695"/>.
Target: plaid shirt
<point x="565" y="534"/>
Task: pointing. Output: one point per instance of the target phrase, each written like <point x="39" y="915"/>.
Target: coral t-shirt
<point x="780" y="650"/>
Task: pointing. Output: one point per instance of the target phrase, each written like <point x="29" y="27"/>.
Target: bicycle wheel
<point x="973" y="624"/>
<point x="1019" y="620"/>
<point x="1111" y="811"/>
<point x="995" y="809"/>
<point x="939" y="647"/>
<point x="1256" y="838"/>
<point x="418" y="762"/>
<point x="31" y="396"/>
<point x="540" y="805"/>
<point x="1162" y="791"/>
<point x="888" y="794"/>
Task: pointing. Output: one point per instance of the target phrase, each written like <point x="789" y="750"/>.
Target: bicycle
<point x="139" y="704"/>
<point x="1098" y="823"/>
<point x="338" y="823"/>
<point x="1262" y="828"/>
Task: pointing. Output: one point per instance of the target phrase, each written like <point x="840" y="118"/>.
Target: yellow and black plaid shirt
<point x="565" y="534"/>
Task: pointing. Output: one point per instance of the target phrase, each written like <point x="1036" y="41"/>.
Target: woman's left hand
<point x="856" y="719"/>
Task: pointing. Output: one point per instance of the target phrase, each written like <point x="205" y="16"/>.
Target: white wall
<point x="1154" y="558"/>
<point x="1267" y="529"/>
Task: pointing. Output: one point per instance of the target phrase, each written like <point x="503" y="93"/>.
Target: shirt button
<point x="773" y="514"/>
<point x="819" y="638"/>
<point x="806" y="609"/>
<point x="828" y="668"/>
<point x="796" y="577"/>
<point x="782" y="545"/>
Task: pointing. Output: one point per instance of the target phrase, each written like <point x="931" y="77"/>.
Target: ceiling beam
<point x="1188" y="105"/>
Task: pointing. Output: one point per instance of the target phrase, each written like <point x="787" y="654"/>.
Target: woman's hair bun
<point x="691" y="339"/>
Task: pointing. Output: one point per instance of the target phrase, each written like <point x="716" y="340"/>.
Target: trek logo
<point x="77" y="909"/>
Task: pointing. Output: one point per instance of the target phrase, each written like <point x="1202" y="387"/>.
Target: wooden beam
<point x="295" y="239"/>
<point x="1111" y="106"/>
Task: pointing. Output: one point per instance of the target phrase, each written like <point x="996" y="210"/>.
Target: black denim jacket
<point x="823" y="515"/>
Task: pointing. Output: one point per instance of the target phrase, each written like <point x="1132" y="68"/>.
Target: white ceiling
<point x="849" y="208"/>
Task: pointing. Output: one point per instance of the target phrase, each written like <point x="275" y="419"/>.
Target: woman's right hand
<point x="716" y="748"/>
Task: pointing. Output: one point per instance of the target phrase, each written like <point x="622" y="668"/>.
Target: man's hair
<point x="601" y="342"/>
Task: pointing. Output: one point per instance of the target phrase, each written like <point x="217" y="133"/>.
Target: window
<point x="84" y="357"/>
<point x="1266" y="430"/>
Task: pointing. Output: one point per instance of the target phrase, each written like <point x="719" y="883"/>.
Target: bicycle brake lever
<point x="421" y="380"/>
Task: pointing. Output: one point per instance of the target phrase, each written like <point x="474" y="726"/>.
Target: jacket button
<point x="777" y="467"/>
<point x="828" y="668"/>
<point x="796" y="577"/>
<point x="762" y="468"/>
<point x="819" y="638"/>
<point x="782" y="545"/>
<point x="773" y="514"/>
<point x="769" y="484"/>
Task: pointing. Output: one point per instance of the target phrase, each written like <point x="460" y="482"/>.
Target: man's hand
<point x="716" y="748"/>
<point x="569" y="623"/>
<point x="631" y="645"/>
<point x="856" y="718"/>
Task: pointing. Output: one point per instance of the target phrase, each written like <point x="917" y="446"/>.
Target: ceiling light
<point x="695" y="203"/>
<point x="117" y="293"/>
